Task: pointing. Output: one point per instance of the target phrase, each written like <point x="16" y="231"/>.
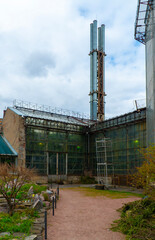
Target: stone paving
<point x="78" y="217"/>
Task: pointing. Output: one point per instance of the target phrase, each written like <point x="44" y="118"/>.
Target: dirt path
<point x="78" y="217"/>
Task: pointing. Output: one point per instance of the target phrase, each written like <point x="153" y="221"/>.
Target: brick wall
<point x="1" y="125"/>
<point x="14" y="131"/>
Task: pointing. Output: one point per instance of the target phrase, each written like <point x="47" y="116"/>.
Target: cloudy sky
<point x="44" y="46"/>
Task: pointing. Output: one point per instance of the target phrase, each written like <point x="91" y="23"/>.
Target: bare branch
<point x="12" y="178"/>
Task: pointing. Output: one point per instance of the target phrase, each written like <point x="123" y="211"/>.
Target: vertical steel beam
<point x="57" y="164"/>
<point x="66" y="164"/>
<point x="47" y="163"/>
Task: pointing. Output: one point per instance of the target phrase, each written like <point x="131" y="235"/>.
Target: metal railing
<point x="45" y="108"/>
<point x="54" y="205"/>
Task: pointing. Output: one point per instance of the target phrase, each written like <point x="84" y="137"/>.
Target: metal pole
<point x="45" y="224"/>
<point x="106" y="163"/>
<point x="55" y="200"/>
<point x="47" y="163"/>
<point x="57" y="164"/>
<point x="66" y="164"/>
<point x="53" y="205"/>
<point x="58" y="191"/>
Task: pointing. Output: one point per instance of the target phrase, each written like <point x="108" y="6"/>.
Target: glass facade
<point x="55" y="152"/>
<point x="150" y="75"/>
<point x="127" y="134"/>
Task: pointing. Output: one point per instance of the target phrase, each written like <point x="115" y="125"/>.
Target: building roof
<point x="6" y="148"/>
<point x="27" y="112"/>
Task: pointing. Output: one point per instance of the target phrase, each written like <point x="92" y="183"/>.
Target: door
<point x="57" y="163"/>
<point x="52" y="163"/>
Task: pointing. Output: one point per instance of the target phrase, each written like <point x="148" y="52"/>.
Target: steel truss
<point x="144" y="9"/>
<point x="37" y="122"/>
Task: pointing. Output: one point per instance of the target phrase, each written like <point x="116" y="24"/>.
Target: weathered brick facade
<point x="14" y="131"/>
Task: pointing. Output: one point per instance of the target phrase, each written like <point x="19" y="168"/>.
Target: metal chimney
<point x="97" y="72"/>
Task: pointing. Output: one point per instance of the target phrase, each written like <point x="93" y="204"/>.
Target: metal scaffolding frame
<point x="141" y="24"/>
<point x="104" y="158"/>
<point x="101" y="94"/>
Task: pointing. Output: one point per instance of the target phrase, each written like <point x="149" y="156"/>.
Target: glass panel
<point x="52" y="164"/>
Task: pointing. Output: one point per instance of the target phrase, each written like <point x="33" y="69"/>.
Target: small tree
<point x="145" y="175"/>
<point x="12" y="178"/>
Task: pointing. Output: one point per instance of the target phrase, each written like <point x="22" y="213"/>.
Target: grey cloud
<point x="38" y="63"/>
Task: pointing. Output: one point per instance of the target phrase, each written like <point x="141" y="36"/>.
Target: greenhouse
<point x="61" y="146"/>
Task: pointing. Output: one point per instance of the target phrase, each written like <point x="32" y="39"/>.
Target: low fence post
<point x="58" y="191"/>
<point x="53" y="205"/>
<point x="55" y="200"/>
<point x="45" y="224"/>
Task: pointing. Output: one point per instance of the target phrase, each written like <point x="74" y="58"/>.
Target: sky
<point x="44" y="47"/>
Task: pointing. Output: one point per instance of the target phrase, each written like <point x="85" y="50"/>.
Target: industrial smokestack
<point x="94" y="70"/>
<point x="97" y="71"/>
<point x="103" y="37"/>
<point x="91" y="71"/>
<point x="99" y="38"/>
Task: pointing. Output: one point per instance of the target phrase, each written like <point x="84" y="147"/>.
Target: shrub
<point x="46" y="197"/>
<point x="36" y="188"/>
<point x="12" y="178"/>
<point x="15" y="223"/>
<point x="31" y="212"/>
<point x="87" y="180"/>
<point x="137" y="220"/>
<point x="145" y="175"/>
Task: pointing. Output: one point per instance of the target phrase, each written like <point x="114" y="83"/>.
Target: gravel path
<point x="78" y="217"/>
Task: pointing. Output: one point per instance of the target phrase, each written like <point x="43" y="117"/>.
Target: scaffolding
<point x="101" y="94"/>
<point x="144" y="9"/>
<point x="104" y="157"/>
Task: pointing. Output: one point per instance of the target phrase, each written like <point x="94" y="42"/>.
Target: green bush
<point x="31" y="212"/>
<point x="21" y="195"/>
<point x="87" y="180"/>
<point x="36" y="188"/>
<point x="46" y="197"/>
<point x="137" y="220"/>
<point x="17" y="222"/>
